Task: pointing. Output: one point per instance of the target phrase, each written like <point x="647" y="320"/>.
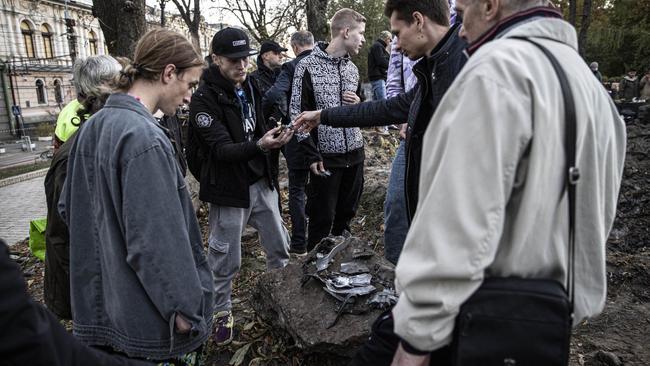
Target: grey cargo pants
<point x="226" y="227"/>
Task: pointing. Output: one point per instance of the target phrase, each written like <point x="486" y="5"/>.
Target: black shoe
<point x="298" y="252"/>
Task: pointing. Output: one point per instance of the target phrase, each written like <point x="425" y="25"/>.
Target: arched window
<point x="92" y="43"/>
<point x="40" y="92"/>
<point x="58" y="91"/>
<point x="46" y="33"/>
<point x="28" y="38"/>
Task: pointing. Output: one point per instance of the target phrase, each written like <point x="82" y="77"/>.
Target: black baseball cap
<point x="232" y="43"/>
<point x="271" y="46"/>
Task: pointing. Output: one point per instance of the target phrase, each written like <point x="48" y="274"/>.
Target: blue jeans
<point x="395" y="221"/>
<point x="378" y="89"/>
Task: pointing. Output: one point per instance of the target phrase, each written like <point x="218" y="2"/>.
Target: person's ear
<point x="490" y="8"/>
<point x="215" y="59"/>
<point x="418" y="19"/>
<point x="168" y="73"/>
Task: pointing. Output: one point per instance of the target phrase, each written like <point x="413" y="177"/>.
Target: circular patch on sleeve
<point x="203" y="120"/>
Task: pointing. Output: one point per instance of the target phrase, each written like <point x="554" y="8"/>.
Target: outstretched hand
<point x="307" y="121"/>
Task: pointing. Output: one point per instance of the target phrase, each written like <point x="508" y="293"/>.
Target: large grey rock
<point x="306" y="311"/>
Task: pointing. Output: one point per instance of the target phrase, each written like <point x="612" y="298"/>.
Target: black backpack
<point x="194" y="151"/>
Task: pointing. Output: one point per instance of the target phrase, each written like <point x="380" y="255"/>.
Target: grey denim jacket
<point x="136" y="254"/>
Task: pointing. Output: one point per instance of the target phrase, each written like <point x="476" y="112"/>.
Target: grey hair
<point x="302" y="38"/>
<point x="92" y="76"/>
<point x="385" y="35"/>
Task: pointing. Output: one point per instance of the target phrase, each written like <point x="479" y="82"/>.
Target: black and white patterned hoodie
<point x="318" y="83"/>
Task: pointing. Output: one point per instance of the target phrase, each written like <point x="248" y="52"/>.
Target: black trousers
<point x="380" y="348"/>
<point x="297" y="184"/>
<point x="333" y="202"/>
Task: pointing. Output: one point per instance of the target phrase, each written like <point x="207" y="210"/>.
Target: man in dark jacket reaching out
<point x="228" y="126"/>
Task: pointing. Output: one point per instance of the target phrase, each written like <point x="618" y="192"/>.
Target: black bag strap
<point x="573" y="173"/>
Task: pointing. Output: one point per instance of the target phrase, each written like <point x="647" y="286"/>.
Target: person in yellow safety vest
<point x="68" y="122"/>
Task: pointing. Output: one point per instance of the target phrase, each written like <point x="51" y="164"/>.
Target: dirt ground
<point x="618" y="336"/>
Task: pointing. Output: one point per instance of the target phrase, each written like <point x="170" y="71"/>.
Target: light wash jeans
<point x="378" y="89"/>
<point x="226" y="227"/>
<point x="395" y="221"/>
<point x="379" y="93"/>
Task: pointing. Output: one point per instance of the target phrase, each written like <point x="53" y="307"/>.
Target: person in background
<point x="400" y="80"/>
<point x="140" y="282"/>
<point x="629" y="86"/>
<point x="67" y="121"/>
<point x="269" y="62"/>
<point x="645" y="86"/>
<point x="94" y="79"/>
<point x="594" y="69"/>
<point x="276" y="103"/>
<point x="378" y="57"/>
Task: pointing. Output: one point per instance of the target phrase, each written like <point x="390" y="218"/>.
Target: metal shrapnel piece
<point x="343" y="281"/>
<point x="358" y="291"/>
<point x="383" y="299"/>
<point x="323" y="263"/>
<point x="362" y="253"/>
<point x="352" y="268"/>
<point x="360" y="280"/>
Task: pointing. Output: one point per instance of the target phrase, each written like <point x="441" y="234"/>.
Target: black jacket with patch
<point x="230" y="163"/>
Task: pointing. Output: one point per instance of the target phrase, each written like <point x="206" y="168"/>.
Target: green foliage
<point x="373" y="10"/>
<point x="619" y="35"/>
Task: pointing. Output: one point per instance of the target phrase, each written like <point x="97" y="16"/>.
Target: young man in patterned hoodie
<point x="328" y="78"/>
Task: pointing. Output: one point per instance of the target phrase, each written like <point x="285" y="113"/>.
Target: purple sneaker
<point x="223" y="325"/>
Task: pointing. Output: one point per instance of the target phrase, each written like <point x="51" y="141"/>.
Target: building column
<point x="10" y="20"/>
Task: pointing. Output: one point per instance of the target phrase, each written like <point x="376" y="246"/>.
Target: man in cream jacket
<point x="492" y="198"/>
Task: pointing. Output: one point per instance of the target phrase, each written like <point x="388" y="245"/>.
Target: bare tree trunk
<point x="191" y="13"/>
<point x="263" y="19"/>
<point x="195" y="38"/>
<point x="122" y="22"/>
<point x="572" y="11"/>
<point x="317" y="20"/>
<point x="162" y="12"/>
<point x="584" y="26"/>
